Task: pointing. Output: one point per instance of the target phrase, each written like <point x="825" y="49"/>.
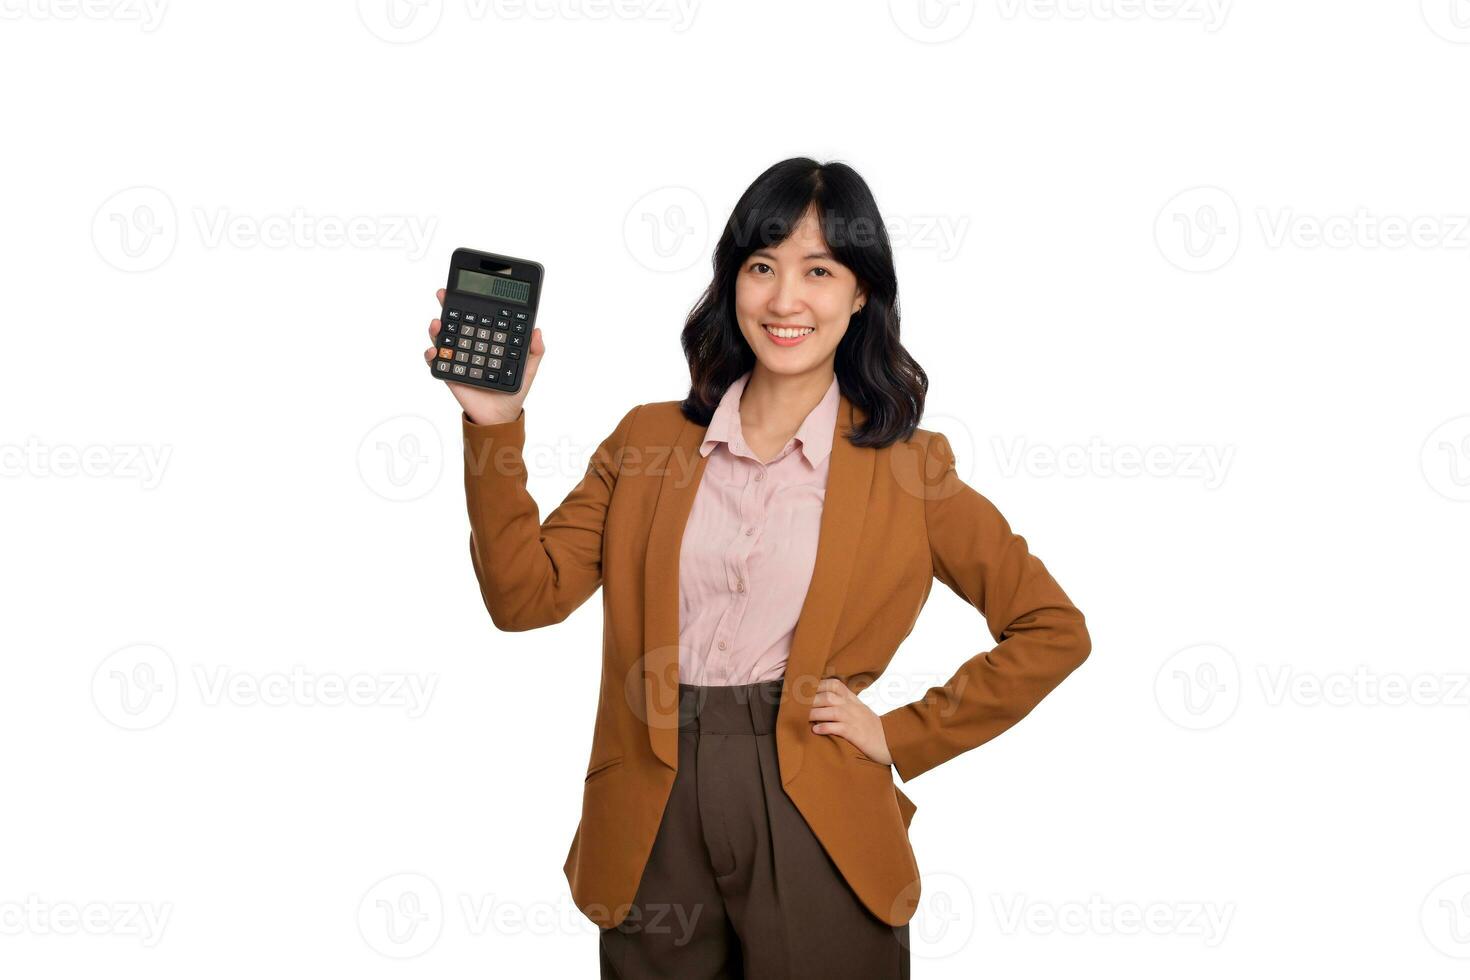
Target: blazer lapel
<point x="844" y="507"/>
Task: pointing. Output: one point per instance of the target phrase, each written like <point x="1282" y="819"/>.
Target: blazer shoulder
<point x="659" y="420"/>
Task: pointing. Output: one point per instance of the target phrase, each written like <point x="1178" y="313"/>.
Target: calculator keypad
<point x="483" y="346"/>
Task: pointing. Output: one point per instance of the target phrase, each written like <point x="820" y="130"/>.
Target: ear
<point x="860" y="300"/>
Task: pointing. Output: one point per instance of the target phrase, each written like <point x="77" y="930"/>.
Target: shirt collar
<point x="814" y="435"/>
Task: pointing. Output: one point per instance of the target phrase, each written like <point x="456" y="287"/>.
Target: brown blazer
<point x="894" y="519"/>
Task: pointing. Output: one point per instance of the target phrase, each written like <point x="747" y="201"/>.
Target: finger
<point x="429" y="354"/>
<point x="440" y="296"/>
<point x="830" y="728"/>
<point x="823" y="714"/>
<point x="434" y="327"/>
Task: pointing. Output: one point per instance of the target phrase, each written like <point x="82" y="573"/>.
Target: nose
<point x="786" y="299"/>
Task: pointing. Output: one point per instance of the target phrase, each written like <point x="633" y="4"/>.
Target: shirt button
<point x="760" y="476"/>
<point x="722" y="644"/>
<point x="739" y="586"/>
<point x="749" y="531"/>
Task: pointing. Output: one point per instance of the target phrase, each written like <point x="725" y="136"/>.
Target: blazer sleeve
<point x="532" y="572"/>
<point x="1040" y="635"/>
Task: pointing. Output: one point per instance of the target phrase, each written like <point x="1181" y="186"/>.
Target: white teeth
<point x="789" y="333"/>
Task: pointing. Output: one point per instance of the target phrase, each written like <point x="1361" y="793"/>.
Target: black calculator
<point x="489" y="309"/>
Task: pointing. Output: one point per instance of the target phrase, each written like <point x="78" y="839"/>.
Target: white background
<point x="1226" y="240"/>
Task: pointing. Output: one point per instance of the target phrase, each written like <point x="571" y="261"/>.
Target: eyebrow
<point x="810" y="255"/>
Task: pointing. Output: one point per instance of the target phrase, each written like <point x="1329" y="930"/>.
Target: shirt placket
<point x="755" y="496"/>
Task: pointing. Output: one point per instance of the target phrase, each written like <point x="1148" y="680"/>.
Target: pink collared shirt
<point x="750" y="546"/>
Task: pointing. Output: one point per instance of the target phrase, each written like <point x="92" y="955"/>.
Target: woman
<point x="763" y="546"/>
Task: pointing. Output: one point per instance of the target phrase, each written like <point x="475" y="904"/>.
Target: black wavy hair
<point x="873" y="369"/>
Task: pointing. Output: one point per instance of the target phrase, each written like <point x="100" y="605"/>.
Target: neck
<point x="779" y="402"/>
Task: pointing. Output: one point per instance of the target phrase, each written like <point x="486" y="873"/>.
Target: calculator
<point x="489" y="309"/>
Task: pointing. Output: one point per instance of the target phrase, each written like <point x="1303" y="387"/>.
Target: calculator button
<point x="446" y="352"/>
<point x="462" y="358"/>
<point x="478" y="360"/>
<point x="502" y="324"/>
<point x="518" y="327"/>
<point x="481" y="347"/>
<point x="459" y="369"/>
<point x="521" y="316"/>
<point x="454" y="314"/>
<point x="471" y="318"/>
<point x="482" y="333"/>
<point x="503" y="312"/>
<point x="513" y="353"/>
<point x="492" y="376"/>
<point x="493" y="362"/>
<point x="464" y="343"/>
<point x="517" y="340"/>
<point x="498" y="336"/>
<point x="477" y="372"/>
<point x="442" y="365"/>
<point x="496" y="350"/>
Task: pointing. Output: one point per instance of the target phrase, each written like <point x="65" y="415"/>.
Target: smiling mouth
<point x="785" y="332"/>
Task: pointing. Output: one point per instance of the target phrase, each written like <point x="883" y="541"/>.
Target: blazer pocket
<point x="603" y="767"/>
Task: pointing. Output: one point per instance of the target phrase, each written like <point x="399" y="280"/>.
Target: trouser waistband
<point x="737" y="709"/>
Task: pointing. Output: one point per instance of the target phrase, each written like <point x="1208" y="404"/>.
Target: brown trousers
<point x="737" y="886"/>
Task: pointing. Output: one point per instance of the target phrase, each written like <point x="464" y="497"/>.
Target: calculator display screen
<point x="495" y="287"/>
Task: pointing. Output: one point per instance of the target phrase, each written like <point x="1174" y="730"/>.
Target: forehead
<point x="806" y="235"/>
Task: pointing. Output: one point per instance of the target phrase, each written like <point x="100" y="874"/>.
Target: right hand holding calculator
<point x="490" y="305"/>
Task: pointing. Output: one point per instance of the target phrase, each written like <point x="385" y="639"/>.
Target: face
<point x="793" y="300"/>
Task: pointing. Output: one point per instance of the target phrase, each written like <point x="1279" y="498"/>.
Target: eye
<point x="825" y="273"/>
<point x="758" y="266"/>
